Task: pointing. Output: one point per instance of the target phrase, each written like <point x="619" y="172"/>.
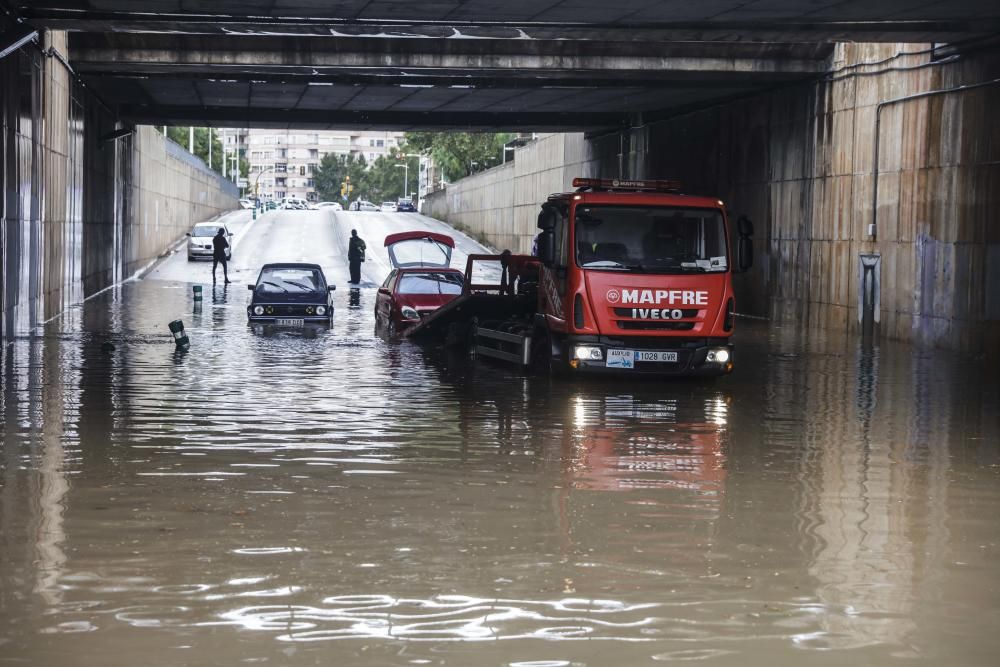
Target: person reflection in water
<point x="219" y="245"/>
<point x="355" y="255"/>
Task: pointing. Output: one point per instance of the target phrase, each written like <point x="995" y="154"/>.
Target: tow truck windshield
<point x="650" y="239"/>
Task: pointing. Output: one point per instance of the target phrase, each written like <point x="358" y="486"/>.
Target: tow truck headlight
<point x="588" y="353"/>
<point x="258" y="310"/>
<point x="321" y="310"/>
<point x="719" y="356"/>
<point x="409" y="313"/>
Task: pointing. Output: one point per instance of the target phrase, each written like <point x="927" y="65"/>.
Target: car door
<point x="383" y="300"/>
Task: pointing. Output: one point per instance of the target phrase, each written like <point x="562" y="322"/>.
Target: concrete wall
<point x="171" y="190"/>
<point x="81" y="211"/>
<point x="799" y="162"/>
<point x="502" y="204"/>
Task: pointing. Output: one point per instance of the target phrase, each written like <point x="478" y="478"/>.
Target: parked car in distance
<point x="388" y="207"/>
<point x="291" y="295"/>
<point x="363" y="205"/>
<point x="421" y="280"/>
<point x="405" y="206"/>
<point x="331" y="205"/>
<point x="199" y="243"/>
<point x="246" y="203"/>
<point x="293" y="204"/>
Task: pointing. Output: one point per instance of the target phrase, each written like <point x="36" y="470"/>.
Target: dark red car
<point x="421" y="280"/>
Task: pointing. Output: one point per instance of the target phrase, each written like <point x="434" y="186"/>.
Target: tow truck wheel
<point x="470" y="338"/>
<point x="541" y="352"/>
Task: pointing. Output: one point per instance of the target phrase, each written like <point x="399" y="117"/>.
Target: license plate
<point x="628" y="358"/>
<point x="655" y="355"/>
<point x="290" y="323"/>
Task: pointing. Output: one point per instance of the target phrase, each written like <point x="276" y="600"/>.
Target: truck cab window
<point x="650" y="240"/>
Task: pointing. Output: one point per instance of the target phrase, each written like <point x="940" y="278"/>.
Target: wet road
<point x="333" y="498"/>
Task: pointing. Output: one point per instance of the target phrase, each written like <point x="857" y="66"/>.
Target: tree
<point x="459" y="153"/>
<point x="384" y="179"/>
<point x="332" y="172"/>
<point x="181" y="136"/>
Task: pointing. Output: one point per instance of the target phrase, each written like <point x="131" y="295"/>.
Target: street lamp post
<point x="406" y="174"/>
<point x="256" y="193"/>
<point x="406" y="177"/>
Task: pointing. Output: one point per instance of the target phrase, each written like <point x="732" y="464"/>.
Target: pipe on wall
<point x="873" y="231"/>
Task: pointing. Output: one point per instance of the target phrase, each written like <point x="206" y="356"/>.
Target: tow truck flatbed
<point x="484" y="300"/>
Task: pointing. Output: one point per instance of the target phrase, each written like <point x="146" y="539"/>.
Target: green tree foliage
<point x="384" y="180"/>
<point x="459" y="153"/>
<point x="333" y="170"/>
<point x="180" y="135"/>
<point x="381" y="180"/>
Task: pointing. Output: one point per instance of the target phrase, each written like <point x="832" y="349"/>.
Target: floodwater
<point x="329" y="497"/>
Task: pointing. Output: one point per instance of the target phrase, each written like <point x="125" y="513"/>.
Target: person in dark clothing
<point x="219" y="245"/>
<point x="355" y="255"/>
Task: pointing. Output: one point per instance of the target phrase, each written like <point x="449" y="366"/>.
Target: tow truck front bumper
<point x="706" y="357"/>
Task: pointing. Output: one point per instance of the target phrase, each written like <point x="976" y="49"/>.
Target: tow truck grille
<point x="647" y="325"/>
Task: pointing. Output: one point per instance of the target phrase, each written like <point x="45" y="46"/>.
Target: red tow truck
<point x="629" y="277"/>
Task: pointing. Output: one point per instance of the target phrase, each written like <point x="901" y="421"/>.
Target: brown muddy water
<point x="336" y="499"/>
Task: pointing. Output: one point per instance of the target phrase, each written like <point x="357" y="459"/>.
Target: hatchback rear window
<point x="430" y="283"/>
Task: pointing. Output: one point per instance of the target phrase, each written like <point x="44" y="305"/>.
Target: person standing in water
<point x="219" y="245"/>
<point x="355" y="255"/>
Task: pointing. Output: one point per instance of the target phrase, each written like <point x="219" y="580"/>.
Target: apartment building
<point x="282" y="162"/>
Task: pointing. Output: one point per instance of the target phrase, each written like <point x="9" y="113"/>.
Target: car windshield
<point x="204" y="231"/>
<point x="430" y="283"/>
<point x="650" y="239"/>
<point x="281" y="280"/>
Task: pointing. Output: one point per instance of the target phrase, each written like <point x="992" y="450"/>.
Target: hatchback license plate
<point x="628" y="358"/>
<point x="290" y="323"/>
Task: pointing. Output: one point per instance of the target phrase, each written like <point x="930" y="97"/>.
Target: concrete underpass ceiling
<point x="480" y="64"/>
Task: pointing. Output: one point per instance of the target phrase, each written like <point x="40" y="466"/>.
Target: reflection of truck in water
<point x="630" y="277"/>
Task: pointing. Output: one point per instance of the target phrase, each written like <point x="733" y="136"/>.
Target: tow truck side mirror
<point x="251" y="287"/>
<point x="744" y="246"/>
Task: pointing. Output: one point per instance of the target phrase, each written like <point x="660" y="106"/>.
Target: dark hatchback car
<point x="291" y="295"/>
<point x="406" y="206"/>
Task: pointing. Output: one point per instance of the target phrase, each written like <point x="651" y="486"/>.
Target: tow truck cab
<point x="636" y="277"/>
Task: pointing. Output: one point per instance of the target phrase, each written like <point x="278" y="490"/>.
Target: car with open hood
<point x="421" y="280"/>
<point x="291" y="294"/>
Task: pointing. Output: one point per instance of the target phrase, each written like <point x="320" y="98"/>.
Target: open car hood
<point x="417" y="250"/>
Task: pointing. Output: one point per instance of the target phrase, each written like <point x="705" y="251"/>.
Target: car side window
<point x="389" y="280"/>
